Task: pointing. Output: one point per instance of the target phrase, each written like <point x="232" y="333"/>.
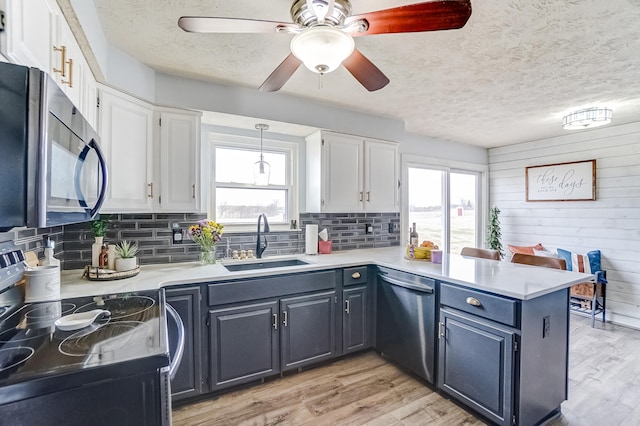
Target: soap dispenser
<point x="49" y="260"/>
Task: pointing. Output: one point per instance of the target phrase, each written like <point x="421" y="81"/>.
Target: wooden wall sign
<point x="574" y="181"/>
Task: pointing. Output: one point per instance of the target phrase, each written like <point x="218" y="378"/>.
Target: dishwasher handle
<point x="421" y="288"/>
<point x="176" y="357"/>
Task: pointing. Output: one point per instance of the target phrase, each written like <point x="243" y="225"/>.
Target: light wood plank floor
<point x="604" y="389"/>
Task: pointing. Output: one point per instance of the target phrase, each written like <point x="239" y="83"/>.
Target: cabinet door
<point x="188" y="380"/>
<point x="476" y="365"/>
<point x="244" y="343"/>
<point x="342" y="173"/>
<point x="30" y="33"/>
<point x="308" y="329"/>
<point x="126" y="128"/>
<point x="179" y="146"/>
<point x="381" y="176"/>
<point x="355" y="330"/>
<point x="72" y="81"/>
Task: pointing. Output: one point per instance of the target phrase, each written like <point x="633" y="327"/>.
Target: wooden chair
<point x="547" y="262"/>
<point x="481" y="253"/>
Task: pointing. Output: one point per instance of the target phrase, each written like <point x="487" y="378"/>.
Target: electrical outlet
<point x="546" y="326"/>
<point x="368" y="228"/>
<point x="392" y="228"/>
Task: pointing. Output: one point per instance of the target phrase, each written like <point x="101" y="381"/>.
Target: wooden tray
<point x="92" y="274"/>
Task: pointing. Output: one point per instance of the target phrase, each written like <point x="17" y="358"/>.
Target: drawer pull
<point x="473" y="301"/>
<point x="355" y="275"/>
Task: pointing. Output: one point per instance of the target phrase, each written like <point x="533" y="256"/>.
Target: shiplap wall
<point x="611" y="223"/>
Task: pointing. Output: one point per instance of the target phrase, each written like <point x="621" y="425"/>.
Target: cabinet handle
<point x="368" y="196"/>
<point x="70" y="81"/>
<point x="193" y="191"/>
<point x="275" y="321"/>
<point x="346" y="306"/>
<point x="63" y="60"/>
<point x="355" y="275"/>
<point x="361" y="196"/>
<point x="285" y="320"/>
<point x="150" y="193"/>
<point x="473" y="301"/>
<point x="440" y="330"/>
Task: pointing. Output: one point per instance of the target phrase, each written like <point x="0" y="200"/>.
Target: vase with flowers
<point x="206" y="233"/>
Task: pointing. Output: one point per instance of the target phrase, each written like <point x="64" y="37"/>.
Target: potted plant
<point x="493" y="231"/>
<point x="99" y="228"/>
<point x="126" y="259"/>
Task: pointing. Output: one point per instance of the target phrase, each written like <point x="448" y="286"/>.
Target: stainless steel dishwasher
<point x="406" y="318"/>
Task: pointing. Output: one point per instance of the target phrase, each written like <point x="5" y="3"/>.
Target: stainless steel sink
<point x="264" y="265"/>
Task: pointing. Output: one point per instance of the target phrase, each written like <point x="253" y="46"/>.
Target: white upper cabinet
<point x="126" y="130"/>
<point x="179" y="154"/>
<point x="348" y="173"/>
<point x="37" y="35"/>
<point x="30" y="30"/>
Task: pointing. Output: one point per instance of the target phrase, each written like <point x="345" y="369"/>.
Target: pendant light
<point x="261" y="169"/>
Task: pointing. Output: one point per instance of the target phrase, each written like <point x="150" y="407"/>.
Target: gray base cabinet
<point x="188" y="381"/>
<point x="308" y="329"/>
<point x="476" y="365"/>
<point x="243" y="343"/>
<point x="355" y="319"/>
<point x="506" y="359"/>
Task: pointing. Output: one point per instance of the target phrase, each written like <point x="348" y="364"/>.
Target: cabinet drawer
<point x="484" y="305"/>
<point x="269" y="287"/>
<point x="357" y="275"/>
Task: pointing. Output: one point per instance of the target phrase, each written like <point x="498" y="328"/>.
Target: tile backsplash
<point x="154" y="235"/>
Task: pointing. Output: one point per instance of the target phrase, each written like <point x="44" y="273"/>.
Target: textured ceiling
<point x="508" y="76"/>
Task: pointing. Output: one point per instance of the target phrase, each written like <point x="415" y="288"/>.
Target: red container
<point x="324" y="247"/>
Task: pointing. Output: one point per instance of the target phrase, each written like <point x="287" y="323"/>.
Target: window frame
<point x="248" y="143"/>
<point x="448" y="167"/>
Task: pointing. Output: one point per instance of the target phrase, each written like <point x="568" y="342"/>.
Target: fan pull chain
<point x="320" y="81"/>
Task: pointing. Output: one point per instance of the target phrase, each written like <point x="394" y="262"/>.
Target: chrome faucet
<point x="260" y="248"/>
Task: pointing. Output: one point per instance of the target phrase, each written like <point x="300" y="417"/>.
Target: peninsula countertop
<point x="504" y="278"/>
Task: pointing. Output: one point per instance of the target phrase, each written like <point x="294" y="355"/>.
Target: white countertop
<point x="500" y="277"/>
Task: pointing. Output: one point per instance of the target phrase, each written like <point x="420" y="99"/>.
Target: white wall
<point x="611" y="223"/>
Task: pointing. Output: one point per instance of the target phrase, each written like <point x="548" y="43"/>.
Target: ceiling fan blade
<point x="365" y="72"/>
<point x="281" y="75"/>
<point x="206" y="24"/>
<point x="427" y="16"/>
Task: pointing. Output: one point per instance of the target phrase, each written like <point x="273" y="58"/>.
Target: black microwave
<point x="52" y="171"/>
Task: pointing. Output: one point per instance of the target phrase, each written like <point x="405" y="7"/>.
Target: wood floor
<point x="604" y="389"/>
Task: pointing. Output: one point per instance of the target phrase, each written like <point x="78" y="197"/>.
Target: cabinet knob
<point x="473" y="301"/>
<point x="355" y="275"/>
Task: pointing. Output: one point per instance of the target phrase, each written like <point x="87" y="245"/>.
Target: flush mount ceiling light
<point x="261" y="169"/>
<point x="587" y="118"/>
<point x="322" y="48"/>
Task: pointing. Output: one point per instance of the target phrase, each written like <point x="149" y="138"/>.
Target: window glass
<point x="235" y="165"/>
<point x="425" y="204"/>
<point x="462" y="210"/>
<point x="239" y="205"/>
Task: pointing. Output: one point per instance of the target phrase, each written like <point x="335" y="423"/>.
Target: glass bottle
<point x="413" y="236"/>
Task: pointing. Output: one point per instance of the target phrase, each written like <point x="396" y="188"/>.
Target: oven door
<point x="75" y="184"/>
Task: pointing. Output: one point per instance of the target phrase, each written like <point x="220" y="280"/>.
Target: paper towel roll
<point x="311" y="239"/>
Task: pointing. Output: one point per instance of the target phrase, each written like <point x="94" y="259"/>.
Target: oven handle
<point x="177" y="357"/>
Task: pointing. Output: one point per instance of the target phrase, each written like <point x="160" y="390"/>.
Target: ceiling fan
<point x="324" y="30"/>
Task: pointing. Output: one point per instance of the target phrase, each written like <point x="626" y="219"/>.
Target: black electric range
<point x="115" y="365"/>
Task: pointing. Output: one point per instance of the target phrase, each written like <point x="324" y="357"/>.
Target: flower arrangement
<point x="206" y="233"/>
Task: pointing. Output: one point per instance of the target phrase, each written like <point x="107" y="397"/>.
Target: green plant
<point x="126" y="250"/>
<point x="99" y="226"/>
<point x="493" y="231"/>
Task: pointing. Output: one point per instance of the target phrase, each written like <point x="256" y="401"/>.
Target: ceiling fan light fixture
<point x="322" y="48"/>
<point x="587" y="118"/>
